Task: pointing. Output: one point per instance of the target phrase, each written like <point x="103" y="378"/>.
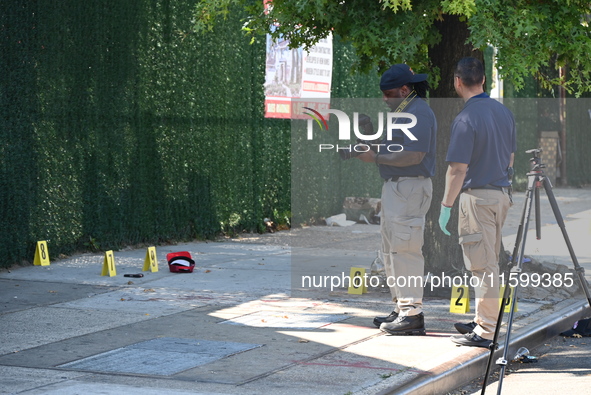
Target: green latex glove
<point x="444" y="219"/>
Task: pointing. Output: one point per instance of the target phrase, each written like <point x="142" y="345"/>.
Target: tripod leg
<point x="515" y="258"/>
<point x="503" y="360"/>
<point x="560" y="221"/>
<point x="493" y="345"/>
<point x="537" y="208"/>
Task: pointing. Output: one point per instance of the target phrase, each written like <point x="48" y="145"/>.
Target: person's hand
<point x="444" y="219"/>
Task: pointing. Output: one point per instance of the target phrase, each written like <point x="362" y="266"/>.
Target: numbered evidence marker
<point x="460" y="299"/>
<point x="150" y="263"/>
<point x="41" y="254"/>
<point x="357" y="284"/>
<point x="109" y="265"/>
<point x="508" y="301"/>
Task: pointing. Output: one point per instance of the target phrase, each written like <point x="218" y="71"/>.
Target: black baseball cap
<point x="398" y="75"/>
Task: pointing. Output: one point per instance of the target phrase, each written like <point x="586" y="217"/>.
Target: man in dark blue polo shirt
<point x="406" y="196"/>
<point x="480" y="156"/>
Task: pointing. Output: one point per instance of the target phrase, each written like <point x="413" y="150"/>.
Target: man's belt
<point x="489" y="186"/>
<point x="400" y="178"/>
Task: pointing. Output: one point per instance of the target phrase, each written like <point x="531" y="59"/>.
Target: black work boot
<point x="377" y="321"/>
<point x="465" y="328"/>
<point x="408" y="325"/>
<point x="471" y="339"/>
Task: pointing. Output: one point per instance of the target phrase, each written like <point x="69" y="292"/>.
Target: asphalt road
<point x="563" y="367"/>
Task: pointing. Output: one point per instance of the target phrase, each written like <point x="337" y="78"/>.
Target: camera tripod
<point x="536" y="179"/>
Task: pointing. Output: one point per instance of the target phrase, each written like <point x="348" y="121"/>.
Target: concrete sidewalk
<point x="234" y="326"/>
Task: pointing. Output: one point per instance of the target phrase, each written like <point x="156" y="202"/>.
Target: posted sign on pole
<point x="296" y="74"/>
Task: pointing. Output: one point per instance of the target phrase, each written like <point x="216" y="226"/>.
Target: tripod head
<point x="535" y="151"/>
<point x="536" y="160"/>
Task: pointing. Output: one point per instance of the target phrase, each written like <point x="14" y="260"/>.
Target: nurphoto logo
<point x="344" y="129"/>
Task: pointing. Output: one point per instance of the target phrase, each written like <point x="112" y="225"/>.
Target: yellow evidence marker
<point x="508" y="301"/>
<point x="109" y="265"/>
<point x="41" y="254"/>
<point x="357" y="283"/>
<point x="460" y="299"/>
<point x="150" y="263"/>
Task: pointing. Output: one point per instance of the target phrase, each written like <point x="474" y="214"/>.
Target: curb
<point x="459" y="371"/>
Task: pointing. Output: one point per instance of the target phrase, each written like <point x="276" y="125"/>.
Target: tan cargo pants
<point x="404" y="205"/>
<point x="481" y="218"/>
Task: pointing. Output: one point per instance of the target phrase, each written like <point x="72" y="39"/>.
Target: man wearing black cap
<point x="406" y="196"/>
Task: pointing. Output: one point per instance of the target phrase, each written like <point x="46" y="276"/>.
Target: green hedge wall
<point x="120" y="126"/>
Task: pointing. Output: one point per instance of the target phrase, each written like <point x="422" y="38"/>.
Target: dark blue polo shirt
<point x="483" y="137"/>
<point x="426" y="133"/>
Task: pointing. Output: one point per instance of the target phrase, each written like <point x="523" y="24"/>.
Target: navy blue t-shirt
<point x="483" y="137"/>
<point x="426" y="133"/>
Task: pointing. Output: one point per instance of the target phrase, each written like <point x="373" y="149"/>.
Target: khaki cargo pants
<point x="481" y="218"/>
<point x="404" y="205"/>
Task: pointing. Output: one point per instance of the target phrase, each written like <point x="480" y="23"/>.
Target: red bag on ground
<point x="180" y="262"/>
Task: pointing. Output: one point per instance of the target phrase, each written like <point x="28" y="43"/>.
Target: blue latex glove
<point x="444" y="219"/>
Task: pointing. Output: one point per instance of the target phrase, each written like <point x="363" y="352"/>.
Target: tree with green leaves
<point x="531" y="38"/>
<point x="530" y="35"/>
